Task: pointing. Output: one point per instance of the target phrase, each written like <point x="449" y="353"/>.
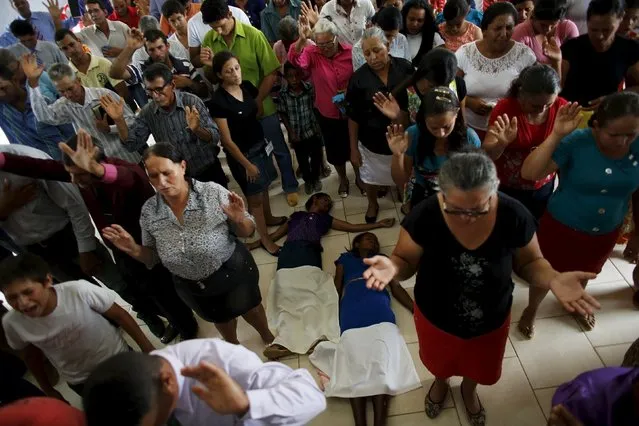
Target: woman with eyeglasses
<point x="519" y="124"/>
<point x="599" y="176"/>
<point x="425" y="146"/>
<point x="464" y="259"/>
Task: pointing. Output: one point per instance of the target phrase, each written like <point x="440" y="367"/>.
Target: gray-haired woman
<point x="464" y="259"/>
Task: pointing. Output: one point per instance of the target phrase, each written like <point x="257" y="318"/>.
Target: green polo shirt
<point x="255" y="54"/>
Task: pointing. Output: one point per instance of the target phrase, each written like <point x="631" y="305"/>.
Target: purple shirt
<point x="602" y="397"/>
<point x="304" y="226"/>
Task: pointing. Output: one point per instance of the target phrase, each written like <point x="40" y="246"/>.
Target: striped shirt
<point x="171" y="126"/>
<point x="81" y="115"/>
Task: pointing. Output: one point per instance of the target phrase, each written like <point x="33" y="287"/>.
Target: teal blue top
<point x="594" y="191"/>
<point x="428" y="169"/>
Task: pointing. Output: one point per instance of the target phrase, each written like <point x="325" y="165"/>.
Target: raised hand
<point x="568" y="288"/>
<point x="311" y="13"/>
<point x="397" y="138"/>
<point x="120" y="238"/>
<point x="235" y="209"/>
<point x="380" y="272"/>
<point x="551" y="48"/>
<point x="142" y="7"/>
<point x="219" y="391"/>
<point x="192" y="117"/>
<point x="135" y="40"/>
<point x="86" y="20"/>
<point x="85" y="153"/>
<point x="182" y="81"/>
<point x="115" y="109"/>
<point x="504" y="129"/>
<point x="304" y="28"/>
<point x="387" y="105"/>
<point x="53" y="6"/>
<point x="567" y="120"/>
<point x="30" y="67"/>
<point x="206" y="56"/>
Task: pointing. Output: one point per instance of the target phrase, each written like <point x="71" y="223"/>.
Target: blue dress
<point x="361" y="307"/>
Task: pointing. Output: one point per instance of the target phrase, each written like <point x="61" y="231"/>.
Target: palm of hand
<point x="398" y="144"/>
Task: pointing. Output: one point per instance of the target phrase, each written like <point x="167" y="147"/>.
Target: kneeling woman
<point x="191" y="227"/>
<point x="421" y="150"/>
<point x="249" y="154"/>
<point x="463" y="293"/>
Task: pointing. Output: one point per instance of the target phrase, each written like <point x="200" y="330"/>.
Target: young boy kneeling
<point x="67" y="323"/>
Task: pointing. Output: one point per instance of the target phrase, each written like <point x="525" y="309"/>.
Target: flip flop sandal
<point x="431" y="407"/>
<point x="275" y="351"/>
<point x="478" y="418"/>
<point x="588" y="322"/>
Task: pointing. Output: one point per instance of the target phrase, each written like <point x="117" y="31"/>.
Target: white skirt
<point x="376" y="168"/>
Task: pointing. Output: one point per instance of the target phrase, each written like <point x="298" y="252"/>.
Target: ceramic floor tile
<point x="558" y="352"/>
<point x="509" y="402"/>
<point x="404" y="319"/>
<point x="448" y="417"/>
<point x="510" y="350"/>
<point x="609" y="273"/>
<point x="267" y="272"/>
<point x="612" y="355"/>
<point x="617" y="320"/>
<point x="544" y="397"/>
<point x="624" y="267"/>
<point x="356" y="203"/>
<point x="386" y="236"/>
<point x="333" y="247"/>
<point x="550" y="307"/>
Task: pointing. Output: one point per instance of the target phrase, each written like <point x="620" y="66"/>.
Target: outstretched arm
<point x="340" y="225"/>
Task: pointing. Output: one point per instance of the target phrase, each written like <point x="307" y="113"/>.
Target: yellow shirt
<point x="97" y="74"/>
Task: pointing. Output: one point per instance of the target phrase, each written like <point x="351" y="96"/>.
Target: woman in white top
<point x="420" y="29"/>
<point x="489" y="65"/>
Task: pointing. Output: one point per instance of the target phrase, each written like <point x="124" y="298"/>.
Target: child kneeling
<point x="67" y="323"/>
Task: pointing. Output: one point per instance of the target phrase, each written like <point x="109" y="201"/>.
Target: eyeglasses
<point x="157" y="90"/>
<point x="326" y="45"/>
<point x="469" y="213"/>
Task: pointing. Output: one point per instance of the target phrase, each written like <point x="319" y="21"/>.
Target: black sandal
<point x="372" y="219"/>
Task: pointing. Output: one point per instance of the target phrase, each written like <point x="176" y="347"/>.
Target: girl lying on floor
<point x="302" y="301"/>
<point x="371" y="358"/>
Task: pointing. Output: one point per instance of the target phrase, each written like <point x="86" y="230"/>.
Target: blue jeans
<point x="273" y="133"/>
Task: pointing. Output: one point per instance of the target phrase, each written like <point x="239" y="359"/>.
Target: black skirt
<point x="228" y="293"/>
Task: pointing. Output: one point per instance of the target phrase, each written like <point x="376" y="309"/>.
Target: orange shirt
<point x="164" y="23"/>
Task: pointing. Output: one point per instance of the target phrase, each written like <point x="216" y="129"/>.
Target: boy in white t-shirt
<point x="68" y="323"/>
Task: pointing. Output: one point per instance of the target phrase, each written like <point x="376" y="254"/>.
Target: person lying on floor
<point x="360" y="308"/>
<point x="292" y="299"/>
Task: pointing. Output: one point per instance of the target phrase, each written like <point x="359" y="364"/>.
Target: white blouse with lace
<point x="490" y="79"/>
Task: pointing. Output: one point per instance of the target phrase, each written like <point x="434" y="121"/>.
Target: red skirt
<point x="570" y="250"/>
<point x="445" y="355"/>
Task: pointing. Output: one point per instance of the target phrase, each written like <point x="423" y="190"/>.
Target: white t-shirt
<point x="415" y="42"/>
<point x="198" y="29"/>
<point x="490" y="79"/>
<point x="75" y="337"/>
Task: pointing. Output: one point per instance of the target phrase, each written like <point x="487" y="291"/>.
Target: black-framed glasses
<point x="326" y="45"/>
<point x="467" y="212"/>
<point x="157" y="90"/>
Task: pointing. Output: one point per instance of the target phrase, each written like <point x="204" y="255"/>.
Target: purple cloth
<point x="310" y="227"/>
<point x="602" y="397"/>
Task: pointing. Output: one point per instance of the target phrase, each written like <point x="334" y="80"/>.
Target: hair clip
<point x="443" y="99"/>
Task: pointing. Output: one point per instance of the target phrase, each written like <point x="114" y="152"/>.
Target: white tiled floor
<point x="531" y="369"/>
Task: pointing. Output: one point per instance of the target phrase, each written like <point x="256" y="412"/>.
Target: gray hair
<point x="324" y="26"/>
<point x="148" y="22"/>
<point x="287" y="28"/>
<point x="468" y="171"/>
<point x="375" y="32"/>
<point x="58" y="71"/>
<point x="7" y="57"/>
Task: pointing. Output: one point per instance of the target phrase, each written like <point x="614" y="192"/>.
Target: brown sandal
<point x="587" y="322"/>
<point x="274" y="352"/>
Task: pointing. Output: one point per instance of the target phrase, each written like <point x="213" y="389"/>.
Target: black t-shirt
<point x="363" y="85"/>
<point x="246" y="130"/>
<point x="464" y="292"/>
<point x="594" y="74"/>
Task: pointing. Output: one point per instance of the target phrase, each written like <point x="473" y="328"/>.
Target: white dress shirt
<point x="198" y="29"/>
<point x="46" y="52"/>
<point x="278" y="395"/>
<point x="54" y="206"/>
<point x="349" y="27"/>
<point x="96" y="39"/>
<point x="65" y="111"/>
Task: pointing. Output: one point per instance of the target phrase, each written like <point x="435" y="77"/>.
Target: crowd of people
<point x="508" y="130"/>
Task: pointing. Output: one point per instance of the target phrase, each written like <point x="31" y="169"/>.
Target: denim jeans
<point x="273" y="132"/>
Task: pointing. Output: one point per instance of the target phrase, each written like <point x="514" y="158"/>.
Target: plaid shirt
<point x="298" y="107"/>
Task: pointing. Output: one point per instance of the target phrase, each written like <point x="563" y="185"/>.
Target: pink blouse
<point x="525" y="34"/>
